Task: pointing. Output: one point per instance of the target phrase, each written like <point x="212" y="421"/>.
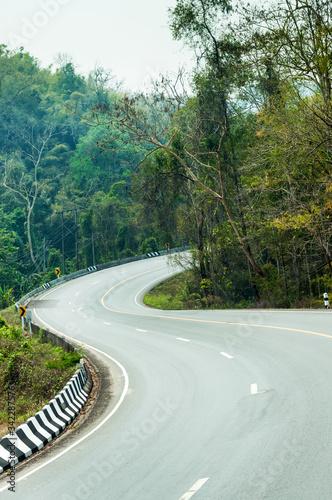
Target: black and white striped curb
<point x="153" y="254"/>
<point x="92" y="268"/>
<point x="48" y="422"/>
<point x="46" y="286"/>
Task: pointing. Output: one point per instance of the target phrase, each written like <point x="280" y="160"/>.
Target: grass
<point x="35" y="368"/>
<point x="11" y="317"/>
<point x="185" y="291"/>
<point x="178" y="292"/>
<point x="165" y="295"/>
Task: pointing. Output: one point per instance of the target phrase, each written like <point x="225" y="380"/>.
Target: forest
<point x="233" y="159"/>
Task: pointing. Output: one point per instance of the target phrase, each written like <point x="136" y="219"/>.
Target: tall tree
<point x="147" y="120"/>
<point x="24" y="180"/>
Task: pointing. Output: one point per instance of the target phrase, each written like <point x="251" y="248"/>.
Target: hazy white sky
<point x="130" y="37"/>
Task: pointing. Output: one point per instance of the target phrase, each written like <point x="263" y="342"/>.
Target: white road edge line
<point x="227" y="355"/>
<point x="138" y="330"/>
<point x="197" y="486"/>
<point x="105" y="323"/>
<point x="183" y="340"/>
<point x="123" y="394"/>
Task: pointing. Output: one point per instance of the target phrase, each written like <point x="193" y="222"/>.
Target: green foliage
<point x="54" y="260"/>
<point x="3" y="322"/>
<point x="6" y="296"/>
<point x="126" y="253"/>
<point x="10" y="317"/>
<point x="38" y="369"/>
<point x="65" y="360"/>
<point x="240" y="168"/>
<point x="148" y="245"/>
<point x="11" y="372"/>
<point x="184" y="291"/>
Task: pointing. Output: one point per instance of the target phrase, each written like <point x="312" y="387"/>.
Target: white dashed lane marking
<point x="254" y="389"/>
<point x="197" y="486"/>
<point x="226" y="355"/>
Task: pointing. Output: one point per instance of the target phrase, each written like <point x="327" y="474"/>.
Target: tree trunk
<point x="30" y="239"/>
<point x="200" y="244"/>
<point x="244" y="245"/>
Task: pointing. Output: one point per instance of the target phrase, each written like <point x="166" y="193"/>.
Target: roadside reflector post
<point x="29" y="318"/>
<point x="326" y="300"/>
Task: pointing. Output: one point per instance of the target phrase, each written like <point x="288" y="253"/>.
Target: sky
<point x="129" y="37"/>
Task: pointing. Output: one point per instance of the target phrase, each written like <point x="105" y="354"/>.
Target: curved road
<point x="209" y="405"/>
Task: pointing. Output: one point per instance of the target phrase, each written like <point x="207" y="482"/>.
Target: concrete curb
<point x="38" y="430"/>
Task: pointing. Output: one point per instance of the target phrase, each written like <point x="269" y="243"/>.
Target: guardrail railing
<point x="77" y="274"/>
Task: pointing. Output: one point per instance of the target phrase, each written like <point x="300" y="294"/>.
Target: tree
<point x="292" y="173"/>
<point x="67" y="81"/>
<point x="24" y="181"/>
<point x="202" y="24"/>
<point x="146" y="121"/>
<point x="102" y="84"/>
<point x="295" y="37"/>
<point x="163" y="194"/>
<point x="197" y="23"/>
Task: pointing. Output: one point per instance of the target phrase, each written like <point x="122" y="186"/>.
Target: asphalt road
<point x="209" y="405"/>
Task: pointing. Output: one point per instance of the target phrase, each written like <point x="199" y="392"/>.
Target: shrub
<point x="39" y="371"/>
<point x="3" y="322"/>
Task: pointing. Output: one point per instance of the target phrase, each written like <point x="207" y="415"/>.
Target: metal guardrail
<point x="77" y="274"/>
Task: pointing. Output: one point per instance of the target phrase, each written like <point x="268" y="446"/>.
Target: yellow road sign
<point x="22" y="311"/>
<point x="57" y="271"/>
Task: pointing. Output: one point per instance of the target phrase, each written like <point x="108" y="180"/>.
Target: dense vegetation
<point x="235" y="160"/>
<point x="38" y="370"/>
